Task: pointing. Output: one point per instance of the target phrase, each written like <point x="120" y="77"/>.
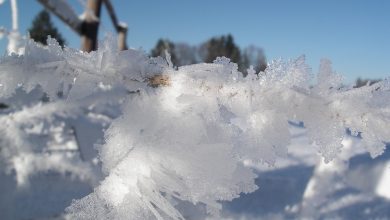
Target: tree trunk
<point x="90" y="26"/>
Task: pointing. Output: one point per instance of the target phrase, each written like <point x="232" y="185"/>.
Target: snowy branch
<point x="187" y="140"/>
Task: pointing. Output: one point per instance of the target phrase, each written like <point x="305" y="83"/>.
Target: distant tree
<point x="162" y="46"/>
<point x="223" y="46"/>
<point x="202" y="51"/>
<point x="186" y="54"/>
<point x="254" y="56"/>
<point x="363" y="82"/>
<point x="42" y="27"/>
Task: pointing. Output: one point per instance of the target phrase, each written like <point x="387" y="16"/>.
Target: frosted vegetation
<point x="185" y="140"/>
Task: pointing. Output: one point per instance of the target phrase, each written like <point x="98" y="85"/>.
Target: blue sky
<point x="354" y="34"/>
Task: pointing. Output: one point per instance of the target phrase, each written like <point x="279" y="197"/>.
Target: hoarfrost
<point x="186" y="140"/>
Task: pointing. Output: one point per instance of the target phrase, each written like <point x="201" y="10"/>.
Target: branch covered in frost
<point x="186" y="141"/>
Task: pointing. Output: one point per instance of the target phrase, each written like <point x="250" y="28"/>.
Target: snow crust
<point x="186" y="140"/>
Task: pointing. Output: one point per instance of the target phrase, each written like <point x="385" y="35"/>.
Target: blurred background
<point x="355" y="35"/>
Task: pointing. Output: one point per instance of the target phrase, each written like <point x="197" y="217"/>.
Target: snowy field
<point x="89" y="136"/>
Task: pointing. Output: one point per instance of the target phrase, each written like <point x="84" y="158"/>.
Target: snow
<point x="15" y="43"/>
<point x="382" y="189"/>
<point x="198" y="145"/>
<point x="123" y="24"/>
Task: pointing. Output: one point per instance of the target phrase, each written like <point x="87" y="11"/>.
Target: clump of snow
<point x="187" y="140"/>
<point x="123" y="24"/>
<point x="382" y="187"/>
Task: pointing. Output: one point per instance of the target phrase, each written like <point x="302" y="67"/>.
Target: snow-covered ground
<point x="354" y="187"/>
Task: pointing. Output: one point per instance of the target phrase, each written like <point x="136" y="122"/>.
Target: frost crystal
<point x="186" y="140"/>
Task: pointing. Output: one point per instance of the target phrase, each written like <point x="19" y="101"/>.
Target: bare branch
<point x="112" y="14"/>
<point x="64" y="12"/>
<point x="120" y="27"/>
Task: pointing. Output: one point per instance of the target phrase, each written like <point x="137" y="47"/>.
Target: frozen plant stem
<point x="14" y="10"/>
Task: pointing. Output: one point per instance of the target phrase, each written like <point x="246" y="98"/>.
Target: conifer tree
<point x="42" y="27"/>
<point x="223" y="46"/>
<point x="161" y="46"/>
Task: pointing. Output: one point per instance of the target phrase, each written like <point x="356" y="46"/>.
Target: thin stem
<point x="14" y="9"/>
